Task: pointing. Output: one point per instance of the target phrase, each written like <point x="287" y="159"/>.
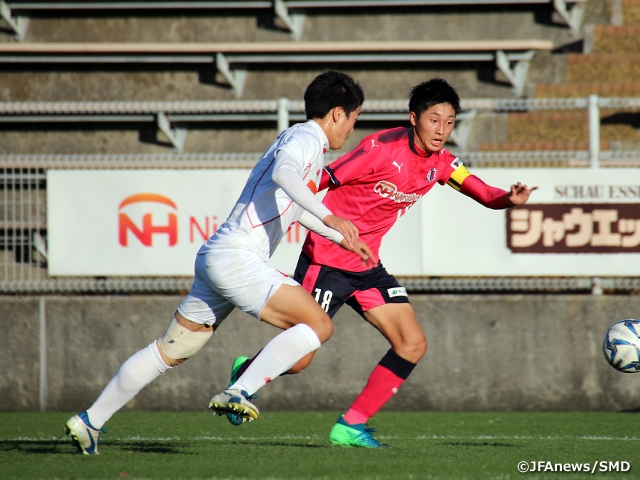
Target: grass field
<point x="429" y="445"/>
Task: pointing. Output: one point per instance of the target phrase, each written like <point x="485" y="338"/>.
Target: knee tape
<point x="179" y="342"/>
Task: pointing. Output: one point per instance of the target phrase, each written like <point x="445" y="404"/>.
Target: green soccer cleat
<point x="358" y="435"/>
<point x="235" y="371"/>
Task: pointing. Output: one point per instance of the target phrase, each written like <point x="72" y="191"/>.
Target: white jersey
<point x="264" y="212"/>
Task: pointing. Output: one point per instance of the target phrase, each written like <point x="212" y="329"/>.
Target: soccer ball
<point x="621" y="345"/>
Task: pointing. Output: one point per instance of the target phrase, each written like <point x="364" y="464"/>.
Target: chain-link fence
<point x="23" y="204"/>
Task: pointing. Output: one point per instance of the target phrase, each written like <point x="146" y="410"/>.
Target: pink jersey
<point x="373" y="186"/>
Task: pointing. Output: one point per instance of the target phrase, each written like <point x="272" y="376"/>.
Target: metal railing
<point x="174" y="118"/>
<point x="133" y="285"/>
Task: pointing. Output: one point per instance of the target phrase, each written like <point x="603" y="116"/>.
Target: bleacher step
<point x="616" y="39"/>
<point x="568" y="126"/>
<point x="631" y="12"/>
<point x="602" y="67"/>
<point x="584" y="89"/>
<point x="538" y="146"/>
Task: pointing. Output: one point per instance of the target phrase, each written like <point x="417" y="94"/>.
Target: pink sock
<point x="353" y="417"/>
<point x="380" y="387"/>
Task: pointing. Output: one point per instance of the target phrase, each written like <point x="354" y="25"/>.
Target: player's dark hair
<point x="432" y="92"/>
<point x="329" y="90"/>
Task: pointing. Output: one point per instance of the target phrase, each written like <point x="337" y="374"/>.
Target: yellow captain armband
<point x="458" y="176"/>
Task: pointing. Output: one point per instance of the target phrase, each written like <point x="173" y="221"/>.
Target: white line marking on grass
<point x="283" y="437"/>
<point x="512" y="437"/>
<point x="138" y="438"/>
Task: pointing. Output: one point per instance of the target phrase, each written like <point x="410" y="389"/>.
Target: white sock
<point x="136" y="372"/>
<point x="278" y="356"/>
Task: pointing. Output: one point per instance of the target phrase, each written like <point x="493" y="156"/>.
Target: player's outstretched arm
<point x="346" y="227"/>
<point x="363" y="251"/>
<point x="519" y="194"/>
<point x="358" y="247"/>
<point x="311" y="222"/>
<point x="286" y="174"/>
<point x="494" y="197"/>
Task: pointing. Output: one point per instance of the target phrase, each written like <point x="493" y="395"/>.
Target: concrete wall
<point x="486" y="352"/>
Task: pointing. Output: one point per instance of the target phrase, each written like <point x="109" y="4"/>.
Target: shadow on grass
<point x="150" y="447"/>
<point x="631" y="410"/>
<point x="64" y="446"/>
<point x="34" y="446"/>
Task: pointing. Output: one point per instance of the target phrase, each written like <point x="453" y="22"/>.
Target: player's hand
<point x="346" y="227"/>
<point x="363" y="251"/>
<point x="519" y="194"/>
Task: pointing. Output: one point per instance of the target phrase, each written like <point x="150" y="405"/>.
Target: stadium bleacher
<point x="290" y="12"/>
<point x="608" y="66"/>
<point x="512" y="57"/>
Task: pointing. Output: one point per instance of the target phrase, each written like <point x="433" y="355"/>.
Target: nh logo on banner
<point x="150" y="225"/>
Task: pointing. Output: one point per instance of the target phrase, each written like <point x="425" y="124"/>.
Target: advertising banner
<point x="139" y="223"/>
<point x="580" y="222"/>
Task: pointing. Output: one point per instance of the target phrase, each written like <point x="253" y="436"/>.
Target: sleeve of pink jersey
<point x="452" y="164"/>
<point x="491" y="197"/>
<point x="325" y="180"/>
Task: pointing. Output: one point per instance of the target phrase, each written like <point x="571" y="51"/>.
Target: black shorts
<point x="362" y="291"/>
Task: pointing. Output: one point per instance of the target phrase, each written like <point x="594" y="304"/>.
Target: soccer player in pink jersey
<point x="373" y="186"/>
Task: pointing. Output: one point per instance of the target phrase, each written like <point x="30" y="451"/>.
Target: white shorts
<point x="227" y="278"/>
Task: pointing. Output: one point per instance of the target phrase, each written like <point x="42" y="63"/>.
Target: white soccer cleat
<point x="235" y="402"/>
<point x="84" y="436"/>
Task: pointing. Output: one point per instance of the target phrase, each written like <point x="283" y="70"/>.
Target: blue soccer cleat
<point x="235" y="402"/>
<point x="84" y="435"/>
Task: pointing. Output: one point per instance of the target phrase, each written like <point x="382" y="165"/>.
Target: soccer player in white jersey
<point x="231" y="267"/>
